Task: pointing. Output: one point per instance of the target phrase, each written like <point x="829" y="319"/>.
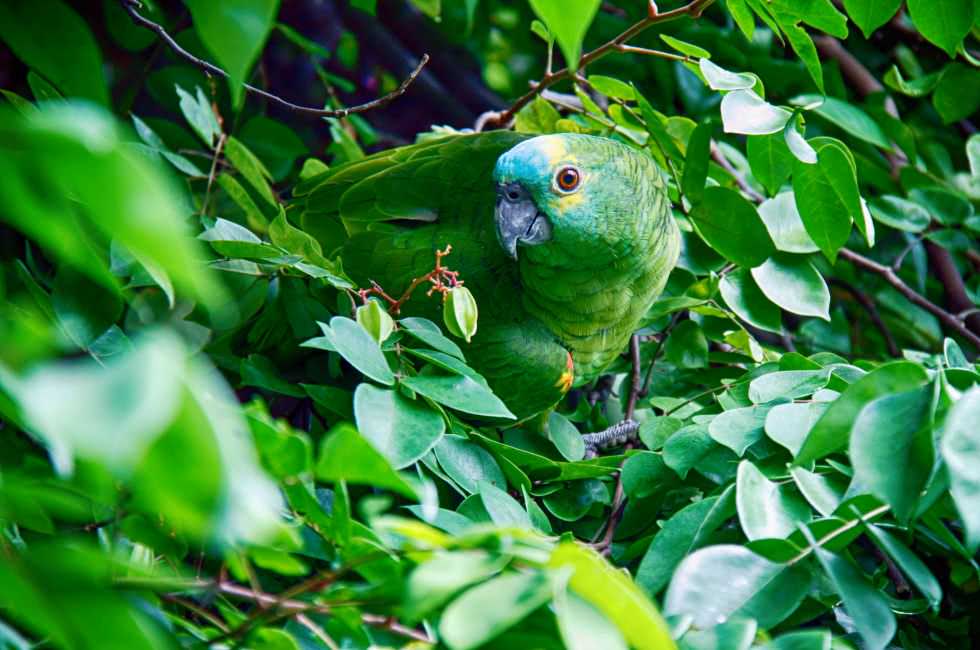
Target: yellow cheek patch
<point x="569" y="201"/>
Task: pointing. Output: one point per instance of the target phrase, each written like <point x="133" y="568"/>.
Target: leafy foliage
<point x="211" y="437"/>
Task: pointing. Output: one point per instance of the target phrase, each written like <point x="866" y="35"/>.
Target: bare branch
<point x="132" y="8"/>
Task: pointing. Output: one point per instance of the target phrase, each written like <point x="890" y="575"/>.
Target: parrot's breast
<point x="594" y="311"/>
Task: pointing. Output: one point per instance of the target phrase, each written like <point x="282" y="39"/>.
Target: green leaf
<point x="785" y="225"/>
<point x="789" y="424"/>
<point x="804" y="47"/>
<point x="153" y="141"/>
<point x="973" y="154"/>
<point x="786" y="384"/>
<point x="485" y="611"/>
<point x="257" y="370"/>
<point x="459" y="392"/>
<point x="568" y="21"/>
<point x="49" y="37"/>
<point x="199" y="114"/>
<point x="503" y="509"/>
<point x="401" y="429"/>
<point x="895" y="430"/>
<point x="867" y="608"/>
<point x="802" y="640"/>
<point x="686" y="346"/>
<point x="582" y="626"/>
<point x="274" y="143"/>
<point x="696" y="162"/>
<point x="166" y="428"/>
<point x="827" y="198"/>
<point x="731" y="225"/>
<point x="820" y="14"/>
<point x="743" y="296"/>
<point x="798" y="145"/>
<point x="566" y="438"/>
<point x="537" y="117"/>
<point x="832" y="431"/>
<point x="468" y="463"/>
<point x="704" y="589"/>
<point x="720" y="79"/>
<point x="846" y="116"/>
<point x="743" y="111"/>
<point x="234" y="31"/>
<point x="614" y="594"/>
<point x="908" y="562"/>
<point x="251" y="168"/>
<point x="957" y="95"/>
<point x="900" y="213"/>
<point x="818" y="489"/>
<point x="945" y="24"/>
<point x="687" y="530"/>
<point x="791" y="282"/>
<point x="75" y="150"/>
<point x="919" y="87"/>
<point x="686" y="447"/>
<point x="435" y="581"/>
<point x="684" y="47"/>
<point x="346" y="455"/>
<point x="961" y="451"/>
<point x="738" y="429"/>
<point x="943" y="206"/>
<point x="356" y="346"/>
<point x="644" y="473"/>
<point x="611" y="87"/>
<point x="770" y="159"/>
<point x="869" y="15"/>
<point x="428" y="332"/>
<point x="766" y="509"/>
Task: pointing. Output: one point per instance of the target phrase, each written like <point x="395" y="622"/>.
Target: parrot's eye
<point x="567" y="179"/>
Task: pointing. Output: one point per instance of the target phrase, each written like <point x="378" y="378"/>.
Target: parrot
<point x="565" y="241"/>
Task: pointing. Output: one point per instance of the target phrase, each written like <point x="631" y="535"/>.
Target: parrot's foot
<point x="614" y="436"/>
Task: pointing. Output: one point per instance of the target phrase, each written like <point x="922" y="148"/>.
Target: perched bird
<point x="565" y="241"/>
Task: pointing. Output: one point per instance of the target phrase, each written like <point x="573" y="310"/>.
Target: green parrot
<point x="564" y="240"/>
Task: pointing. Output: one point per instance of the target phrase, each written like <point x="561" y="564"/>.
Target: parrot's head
<point x="574" y="195"/>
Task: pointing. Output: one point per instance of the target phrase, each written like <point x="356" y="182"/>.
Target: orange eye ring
<point x="567" y="179"/>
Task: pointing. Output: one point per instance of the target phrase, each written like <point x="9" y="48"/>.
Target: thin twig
<point x="317" y="631"/>
<point x="693" y="9"/>
<point x="632" y="49"/>
<point x="200" y="611"/>
<point x="299" y="606"/>
<point x="945" y="317"/>
<point x="636" y="378"/>
<point x="132" y="7"/>
<point x="214" y="167"/>
<point x="873" y="313"/>
<point x="837" y="532"/>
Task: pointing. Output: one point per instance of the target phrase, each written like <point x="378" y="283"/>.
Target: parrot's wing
<point x="424" y="182"/>
<point x="388" y="213"/>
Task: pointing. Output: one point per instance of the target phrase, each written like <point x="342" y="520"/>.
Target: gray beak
<point x="518" y="219"/>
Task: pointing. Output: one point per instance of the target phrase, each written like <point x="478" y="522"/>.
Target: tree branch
<point x="694" y="9"/>
<point x="132" y="8"/>
<point x="946" y="318"/>
<point x="872" y="309"/>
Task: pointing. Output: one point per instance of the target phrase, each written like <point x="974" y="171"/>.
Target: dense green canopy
<point x="215" y="432"/>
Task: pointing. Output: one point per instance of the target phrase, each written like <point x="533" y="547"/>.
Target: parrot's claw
<point x="614" y="436"/>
